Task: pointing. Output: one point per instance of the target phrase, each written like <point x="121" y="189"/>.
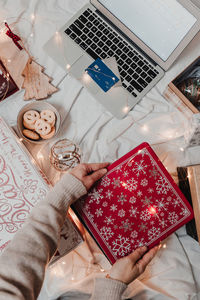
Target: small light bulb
<point x="145" y="128"/>
<point x="39" y="155"/>
<point x="31" y="35"/>
<point x="124" y="184"/>
<point x="102" y="270"/>
<point x="182" y="149"/>
<point x="56" y="32"/>
<point x="164" y="246"/>
<point x="9" y="60"/>
<point x="126" y="109"/>
<point x="64" y="263"/>
<point x="152" y="210"/>
<point x="72" y="278"/>
<point x="68" y="66"/>
<point x="113" y="78"/>
<point x="33" y="17"/>
<point x="86" y="78"/>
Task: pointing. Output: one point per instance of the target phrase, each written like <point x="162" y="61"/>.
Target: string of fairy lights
<point x="89" y="267"/>
<point x="97" y="267"/>
<point x="143" y="127"/>
<point x="58" y="38"/>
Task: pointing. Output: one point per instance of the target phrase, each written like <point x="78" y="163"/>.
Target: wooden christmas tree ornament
<point x="36" y="84"/>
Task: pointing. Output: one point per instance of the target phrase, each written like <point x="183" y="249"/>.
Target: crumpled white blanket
<point x="174" y="273"/>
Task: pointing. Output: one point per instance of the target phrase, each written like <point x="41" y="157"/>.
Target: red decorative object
<point x="7" y="84"/>
<point x="136" y="203"/>
<point x="13" y="36"/>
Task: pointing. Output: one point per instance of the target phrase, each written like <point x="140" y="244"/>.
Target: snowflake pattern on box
<point x="144" y="205"/>
<point x="21" y="185"/>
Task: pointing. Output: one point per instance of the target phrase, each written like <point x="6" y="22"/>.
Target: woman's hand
<point x="128" y="268"/>
<point x="88" y="174"/>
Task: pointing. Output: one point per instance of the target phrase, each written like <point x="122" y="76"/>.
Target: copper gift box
<point x="174" y="90"/>
<point x="189" y="184"/>
<point x="194" y="181"/>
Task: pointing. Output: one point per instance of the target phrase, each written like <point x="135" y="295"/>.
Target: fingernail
<point x="104" y="171"/>
<point x="144" y="248"/>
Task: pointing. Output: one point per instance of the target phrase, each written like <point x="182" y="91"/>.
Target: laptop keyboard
<point x="98" y="39"/>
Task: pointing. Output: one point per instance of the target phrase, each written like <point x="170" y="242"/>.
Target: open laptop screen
<point x="160" y="24"/>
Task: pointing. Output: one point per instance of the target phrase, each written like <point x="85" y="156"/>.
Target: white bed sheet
<point x="104" y="138"/>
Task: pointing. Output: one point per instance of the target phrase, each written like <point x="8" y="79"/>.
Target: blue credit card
<point x="102" y="75"/>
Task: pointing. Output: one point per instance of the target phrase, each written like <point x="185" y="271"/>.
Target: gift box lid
<point x="136" y="203"/>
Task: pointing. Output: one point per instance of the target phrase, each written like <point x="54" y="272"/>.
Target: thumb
<point x="98" y="174"/>
<point x="137" y="254"/>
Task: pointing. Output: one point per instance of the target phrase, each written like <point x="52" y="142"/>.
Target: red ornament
<point x="13" y="36"/>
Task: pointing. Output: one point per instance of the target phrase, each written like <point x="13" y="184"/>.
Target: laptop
<point x="144" y="37"/>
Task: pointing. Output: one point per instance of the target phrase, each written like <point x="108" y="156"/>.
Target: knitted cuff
<point x="108" y="289"/>
<point x="66" y="191"/>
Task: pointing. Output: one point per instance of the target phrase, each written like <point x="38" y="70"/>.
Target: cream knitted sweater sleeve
<point x="22" y="264"/>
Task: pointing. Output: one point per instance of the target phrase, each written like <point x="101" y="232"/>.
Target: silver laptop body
<point x="95" y="32"/>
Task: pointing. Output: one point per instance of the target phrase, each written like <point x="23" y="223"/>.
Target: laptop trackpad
<point x="78" y="71"/>
<point x="63" y="50"/>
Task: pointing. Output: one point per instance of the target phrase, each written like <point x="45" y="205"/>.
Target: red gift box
<point x="136" y="203"/>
